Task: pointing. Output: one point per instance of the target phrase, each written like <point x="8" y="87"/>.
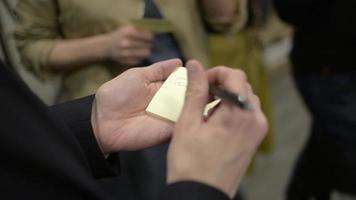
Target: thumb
<point x="161" y="70"/>
<point x="196" y="94"/>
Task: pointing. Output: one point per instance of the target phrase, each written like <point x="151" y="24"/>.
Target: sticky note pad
<point x="154" y="25"/>
<point x="168" y="102"/>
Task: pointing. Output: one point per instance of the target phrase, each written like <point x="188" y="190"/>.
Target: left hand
<point x="119" y="118"/>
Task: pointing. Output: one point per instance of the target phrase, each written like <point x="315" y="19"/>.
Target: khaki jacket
<point x="44" y="22"/>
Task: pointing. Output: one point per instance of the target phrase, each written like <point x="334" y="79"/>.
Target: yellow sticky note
<point x="154" y="25"/>
<point x="168" y="102"/>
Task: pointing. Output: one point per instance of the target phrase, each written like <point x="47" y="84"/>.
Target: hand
<point x="215" y="150"/>
<point x="119" y="119"/>
<point x="129" y="45"/>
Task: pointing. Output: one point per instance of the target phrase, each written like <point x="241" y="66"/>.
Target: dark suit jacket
<point x="53" y="154"/>
<point x="325" y="33"/>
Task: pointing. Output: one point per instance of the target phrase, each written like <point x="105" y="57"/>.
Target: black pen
<point x="231" y="97"/>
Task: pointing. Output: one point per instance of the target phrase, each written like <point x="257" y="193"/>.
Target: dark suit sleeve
<point x="298" y="12"/>
<point x="76" y="115"/>
<point x="189" y="190"/>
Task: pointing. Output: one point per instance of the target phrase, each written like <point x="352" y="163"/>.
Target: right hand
<point x="217" y="150"/>
<point x="129" y="46"/>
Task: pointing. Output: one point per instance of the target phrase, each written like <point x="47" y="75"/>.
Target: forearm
<point x="222" y="10"/>
<point x="69" y="54"/>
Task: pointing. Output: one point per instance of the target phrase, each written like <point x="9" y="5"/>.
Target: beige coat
<point x="44" y="22"/>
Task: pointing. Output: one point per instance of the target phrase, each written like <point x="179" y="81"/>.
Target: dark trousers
<point x="144" y="172"/>
<point x="328" y="160"/>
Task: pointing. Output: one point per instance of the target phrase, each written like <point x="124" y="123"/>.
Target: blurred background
<point x="290" y="120"/>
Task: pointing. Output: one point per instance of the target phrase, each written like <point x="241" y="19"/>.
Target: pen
<point x="231" y="97"/>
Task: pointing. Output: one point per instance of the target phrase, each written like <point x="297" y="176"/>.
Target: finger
<point x="132" y="62"/>
<point x="249" y="88"/>
<point x="133" y="57"/>
<point x="139" y="34"/>
<point x="230" y="79"/>
<point x="196" y="95"/>
<point x="161" y="70"/>
<point x="252" y="98"/>
<point x="133" y="44"/>
<point x="138" y="54"/>
<point x="255" y="102"/>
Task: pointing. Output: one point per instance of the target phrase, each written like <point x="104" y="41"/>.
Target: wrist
<point x="95" y="128"/>
<point x="104" y="50"/>
<point x="228" y="186"/>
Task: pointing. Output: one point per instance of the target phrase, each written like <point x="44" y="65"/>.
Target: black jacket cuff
<point x="77" y="116"/>
<point x="189" y="190"/>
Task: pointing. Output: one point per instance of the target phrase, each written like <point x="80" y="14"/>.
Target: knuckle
<point x="133" y="62"/>
<point x="241" y="74"/>
<point x="222" y="68"/>
<point x="125" y="54"/>
<point x="127" y="30"/>
<point x="125" y="43"/>
<point x="225" y="68"/>
<point x="256" y="100"/>
<point x="249" y="87"/>
<point x="142" y="52"/>
<point x="146" y="52"/>
<point x="264" y="123"/>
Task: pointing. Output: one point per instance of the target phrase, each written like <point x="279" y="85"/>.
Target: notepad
<point x="168" y="102"/>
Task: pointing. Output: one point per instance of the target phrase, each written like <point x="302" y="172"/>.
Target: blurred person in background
<point x="4" y="49"/>
<point x="324" y="69"/>
<point x="89" y="41"/>
<point x="244" y="50"/>
<point x="6" y="17"/>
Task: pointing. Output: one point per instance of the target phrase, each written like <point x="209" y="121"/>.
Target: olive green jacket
<point x="42" y="23"/>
